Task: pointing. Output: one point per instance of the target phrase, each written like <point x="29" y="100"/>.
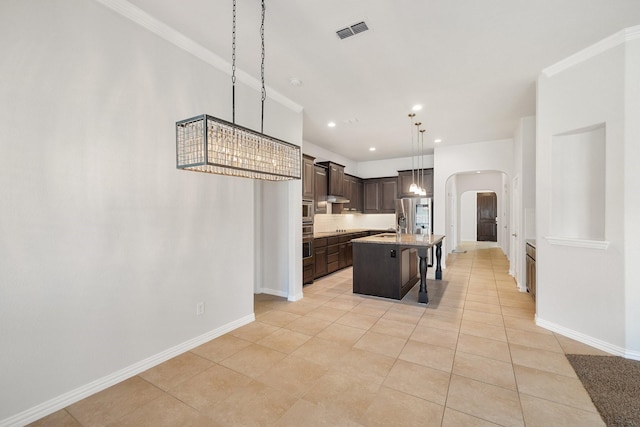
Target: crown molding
<point x="602" y="46"/>
<point x="178" y="39"/>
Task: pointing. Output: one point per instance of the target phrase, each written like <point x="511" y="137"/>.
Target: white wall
<point x="390" y="167"/>
<point x="324" y="155"/>
<point x="632" y="197"/>
<point x="523" y="196"/>
<point x="468" y="216"/>
<point x="105" y="246"/>
<point x="591" y="293"/>
<point x="490" y="156"/>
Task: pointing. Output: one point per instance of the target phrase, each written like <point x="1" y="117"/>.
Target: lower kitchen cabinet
<point x="334" y="253"/>
<point x="319" y="257"/>
<point x="307" y="270"/>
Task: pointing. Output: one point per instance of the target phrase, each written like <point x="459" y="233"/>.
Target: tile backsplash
<point x="333" y="222"/>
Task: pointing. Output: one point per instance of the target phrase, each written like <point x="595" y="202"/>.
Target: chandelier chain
<point x="264" y="91"/>
<point x="233" y="65"/>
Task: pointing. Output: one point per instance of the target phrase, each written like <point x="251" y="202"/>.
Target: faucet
<point x="402" y="224"/>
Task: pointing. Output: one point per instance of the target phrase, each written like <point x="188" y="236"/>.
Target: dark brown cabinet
<point x="308" y="178"/>
<point x="307" y="270"/>
<point x="333" y="254"/>
<point x="353" y="192"/>
<point x="389" y="194"/>
<point x="380" y="195"/>
<point x="335" y="177"/>
<point x="405" y="178"/>
<point x="531" y="269"/>
<point x="356" y="194"/>
<point x="320" y="189"/>
<point x="319" y="257"/>
<point x="371" y="189"/>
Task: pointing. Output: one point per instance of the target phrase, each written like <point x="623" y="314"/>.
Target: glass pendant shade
<point x="413" y="187"/>
<point x="208" y="144"/>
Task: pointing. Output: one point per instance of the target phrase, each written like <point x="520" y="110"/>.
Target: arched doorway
<point x="462" y="186"/>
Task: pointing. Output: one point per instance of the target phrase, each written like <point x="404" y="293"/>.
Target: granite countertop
<point x="321" y="234"/>
<point x="402" y="239"/>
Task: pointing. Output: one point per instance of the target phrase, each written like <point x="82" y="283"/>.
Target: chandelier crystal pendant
<point x="208" y="144"/>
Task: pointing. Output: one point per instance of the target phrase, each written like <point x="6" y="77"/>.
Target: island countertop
<point x="414" y="240"/>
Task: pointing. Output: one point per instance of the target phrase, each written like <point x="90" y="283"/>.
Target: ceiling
<point x="472" y="64"/>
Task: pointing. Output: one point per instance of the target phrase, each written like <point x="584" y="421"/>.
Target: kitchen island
<point x="385" y="265"/>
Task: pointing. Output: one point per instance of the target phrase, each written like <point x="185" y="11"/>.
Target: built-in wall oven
<point x="307" y="242"/>
<point x="307" y="212"/>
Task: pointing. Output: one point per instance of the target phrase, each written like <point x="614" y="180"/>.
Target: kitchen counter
<point x="384" y="264"/>
<point x="321" y="234"/>
<point x="414" y="240"/>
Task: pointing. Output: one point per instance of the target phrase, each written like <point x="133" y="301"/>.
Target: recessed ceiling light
<point x="331" y="124"/>
<point x="417" y="107"/>
<point x="437" y="140"/>
<point x="372" y="149"/>
<point x="294" y="81"/>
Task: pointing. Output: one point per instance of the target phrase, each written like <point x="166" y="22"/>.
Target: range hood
<point x="337" y="199"/>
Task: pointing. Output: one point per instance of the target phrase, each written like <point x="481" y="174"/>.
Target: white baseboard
<point x="274" y="292"/>
<point x="73" y="396"/>
<point x="588" y="340"/>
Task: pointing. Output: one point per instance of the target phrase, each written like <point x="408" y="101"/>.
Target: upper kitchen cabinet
<point x="308" y="178"/>
<point x="353" y="192"/>
<point x="405" y="178"/>
<point x="380" y="195"/>
<point x="320" y="189"/>
<point x="336" y="178"/>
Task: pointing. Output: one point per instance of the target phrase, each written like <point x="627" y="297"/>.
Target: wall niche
<point x="578" y="184"/>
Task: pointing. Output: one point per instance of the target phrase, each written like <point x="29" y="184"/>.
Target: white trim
<point x="166" y="32"/>
<point x="578" y="243"/>
<point x="602" y="46"/>
<point x="588" y="340"/>
<point x="295" y="297"/>
<point x="274" y="292"/>
<point x="73" y="396"/>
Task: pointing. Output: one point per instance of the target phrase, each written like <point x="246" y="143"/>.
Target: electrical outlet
<point x="200" y="308"/>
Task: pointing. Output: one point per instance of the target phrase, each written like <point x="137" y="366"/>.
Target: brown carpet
<point x="614" y="386"/>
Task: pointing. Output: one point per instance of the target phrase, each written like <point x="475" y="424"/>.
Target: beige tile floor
<point x="472" y="357"/>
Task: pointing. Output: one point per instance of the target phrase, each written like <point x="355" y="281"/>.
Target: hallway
<point x="472" y="357"/>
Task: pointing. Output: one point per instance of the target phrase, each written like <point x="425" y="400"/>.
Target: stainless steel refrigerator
<point x="414" y="215"/>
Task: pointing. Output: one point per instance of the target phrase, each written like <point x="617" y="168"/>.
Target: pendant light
<point x="423" y="191"/>
<point x="208" y="144"/>
<point x="419" y="190"/>
<point x="413" y="187"/>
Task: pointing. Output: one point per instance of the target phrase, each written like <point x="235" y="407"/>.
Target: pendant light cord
<point x="413" y="178"/>
<point x="233" y="66"/>
<point x="264" y="92"/>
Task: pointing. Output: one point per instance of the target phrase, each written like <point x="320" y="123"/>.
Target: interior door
<point x="487" y="227"/>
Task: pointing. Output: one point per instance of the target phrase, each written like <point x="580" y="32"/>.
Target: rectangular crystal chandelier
<point x="208" y="144"/>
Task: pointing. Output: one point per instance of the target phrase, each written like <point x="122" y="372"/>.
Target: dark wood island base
<point x="385" y="265"/>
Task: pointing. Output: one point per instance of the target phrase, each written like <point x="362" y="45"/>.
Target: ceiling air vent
<point x="352" y="30"/>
